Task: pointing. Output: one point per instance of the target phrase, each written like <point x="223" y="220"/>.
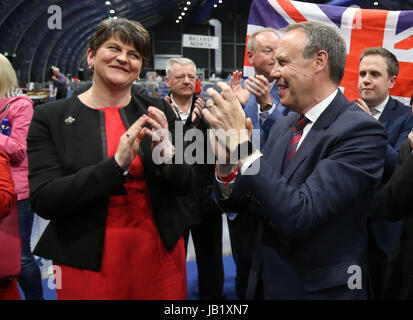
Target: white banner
<point x="200" y="41"/>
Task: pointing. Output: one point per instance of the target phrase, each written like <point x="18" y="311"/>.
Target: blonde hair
<point x="8" y="78"/>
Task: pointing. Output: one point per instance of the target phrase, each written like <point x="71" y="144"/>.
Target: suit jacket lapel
<point x="278" y="142"/>
<point x="329" y="115"/>
<point x="387" y="112"/>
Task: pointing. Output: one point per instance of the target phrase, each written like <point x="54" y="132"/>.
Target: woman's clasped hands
<point x="162" y="148"/>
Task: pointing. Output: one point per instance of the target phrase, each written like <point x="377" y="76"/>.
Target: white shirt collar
<point x="314" y="113"/>
<point x="380" y="107"/>
<point x="182" y="114"/>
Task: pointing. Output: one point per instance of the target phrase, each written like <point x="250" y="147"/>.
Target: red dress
<point x="9" y="289"/>
<point x="135" y="264"/>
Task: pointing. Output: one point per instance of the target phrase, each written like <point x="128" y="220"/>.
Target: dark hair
<point x="411" y="100"/>
<point x="127" y="31"/>
<point x="391" y="60"/>
<point x="323" y="37"/>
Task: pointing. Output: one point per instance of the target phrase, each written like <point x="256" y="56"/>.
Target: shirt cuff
<point x="250" y="160"/>
<point x="225" y="188"/>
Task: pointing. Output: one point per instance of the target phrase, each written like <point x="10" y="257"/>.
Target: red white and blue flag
<point x="360" y="28"/>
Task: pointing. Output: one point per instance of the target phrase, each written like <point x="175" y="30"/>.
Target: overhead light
<point x="182" y="13"/>
<point x="115" y="17"/>
<point x="179" y="17"/>
<point x="112" y="11"/>
<point x="376" y="3"/>
<point x="185" y="8"/>
<point x="177" y="21"/>
<point x="220" y="1"/>
<point x="215" y="5"/>
<point x="188" y="3"/>
<point x="107" y="3"/>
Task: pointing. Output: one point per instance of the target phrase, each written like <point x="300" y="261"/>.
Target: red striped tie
<point x="295" y="139"/>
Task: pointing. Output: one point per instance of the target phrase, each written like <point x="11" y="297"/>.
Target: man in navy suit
<point x="312" y="202"/>
<point x="262" y="105"/>
<point x="378" y="70"/>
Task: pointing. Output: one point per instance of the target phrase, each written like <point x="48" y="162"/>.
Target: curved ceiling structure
<point x="32" y="41"/>
<point x="33" y="45"/>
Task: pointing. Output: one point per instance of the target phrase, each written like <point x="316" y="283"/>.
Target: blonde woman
<point x="18" y="109"/>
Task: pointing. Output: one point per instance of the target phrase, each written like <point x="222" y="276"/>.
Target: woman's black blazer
<point x="71" y="179"/>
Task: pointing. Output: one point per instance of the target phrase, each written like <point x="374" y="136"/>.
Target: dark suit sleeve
<point x="180" y="177"/>
<point x="352" y="166"/>
<point x="54" y="192"/>
<point x="390" y="163"/>
<point x="404" y="130"/>
<point x="392" y="151"/>
<point x="396" y="196"/>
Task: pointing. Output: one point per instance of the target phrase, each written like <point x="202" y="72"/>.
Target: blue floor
<point x="192" y="278"/>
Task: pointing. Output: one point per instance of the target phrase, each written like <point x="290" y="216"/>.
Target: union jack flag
<point x="360" y="28"/>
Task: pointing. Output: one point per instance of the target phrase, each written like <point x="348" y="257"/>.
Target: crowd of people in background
<point x="330" y="195"/>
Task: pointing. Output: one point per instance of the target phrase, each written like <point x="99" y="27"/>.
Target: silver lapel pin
<point x="69" y="120"/>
